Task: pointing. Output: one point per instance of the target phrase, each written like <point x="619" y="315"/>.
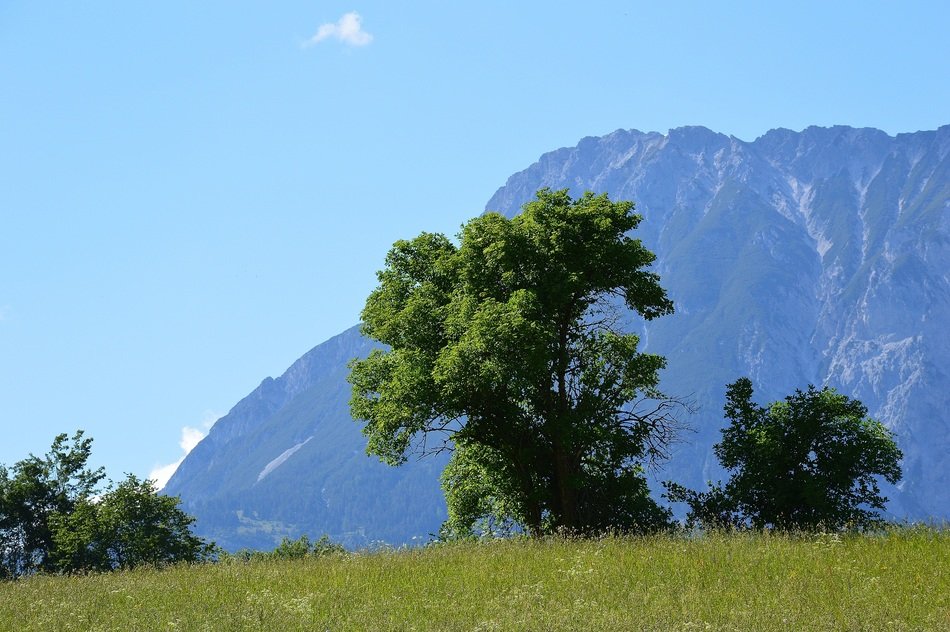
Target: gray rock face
<point x="820" y="256"/>
<point x="814" y="257"/>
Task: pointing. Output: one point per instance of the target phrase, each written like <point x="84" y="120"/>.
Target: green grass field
<point x="896" y="581"/>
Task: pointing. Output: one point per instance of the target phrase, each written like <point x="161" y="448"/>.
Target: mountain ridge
<point x="835" y="206"/>
<point x="817" y="256"/>
<point x="281" y="464"/>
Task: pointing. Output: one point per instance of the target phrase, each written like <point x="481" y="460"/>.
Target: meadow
<point x="897" y="580"/>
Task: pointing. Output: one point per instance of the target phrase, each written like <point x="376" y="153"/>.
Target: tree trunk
<point x="566" y="492"/>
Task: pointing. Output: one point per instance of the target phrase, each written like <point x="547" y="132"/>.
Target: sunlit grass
<point x="896" y="581"/>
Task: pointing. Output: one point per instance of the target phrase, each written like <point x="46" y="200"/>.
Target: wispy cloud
<point x="160" y="474"/>
<point x="348" y="29"/>
<point x="4" y="312"/>
<point x="190" y="437"/>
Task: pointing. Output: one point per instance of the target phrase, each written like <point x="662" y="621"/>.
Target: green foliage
<point x="712" y="510"/>
<point x="808" y="462"/>
<point x="507" y="344"/>
<point x="53" y="519"/>
<point x="130" y="525"/>
<point x="35" y="490"/>
<point x="287" y="550"/>
<point x="480" y="495"/>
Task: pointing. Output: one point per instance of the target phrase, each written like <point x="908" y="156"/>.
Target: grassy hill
<point x="896" y="581"/>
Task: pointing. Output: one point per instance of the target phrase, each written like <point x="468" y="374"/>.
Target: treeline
<point x="56" y="517"/>
<point x="288" y="549"/>
<point x="808" y="462"/>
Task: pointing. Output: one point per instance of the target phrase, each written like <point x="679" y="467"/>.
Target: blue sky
<point x="193" y="194"/>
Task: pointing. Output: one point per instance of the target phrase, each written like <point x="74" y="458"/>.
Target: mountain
<point x="813" y="257"/>
<point x="819" y="256"/>
<point x="288" y="460"/>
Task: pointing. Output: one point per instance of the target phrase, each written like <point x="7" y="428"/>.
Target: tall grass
<point x="899" y="580"/>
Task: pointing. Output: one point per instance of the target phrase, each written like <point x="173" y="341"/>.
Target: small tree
<point x="810" y="461"/>
<point x="303" y="547"/>
<point x="52" y="517"/>
<point x="508" y="344"/>
<point x="287" y="549"/>
<point x="32" y="491"/>
<point x="130" y="525"/>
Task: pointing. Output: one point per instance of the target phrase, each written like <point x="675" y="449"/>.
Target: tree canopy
<point x="510" y="346"/>
<point x="32" y="492"/>
<point x="130" y="525"/>
<point x="54" y="517"/>
<point x="809" y="461"/>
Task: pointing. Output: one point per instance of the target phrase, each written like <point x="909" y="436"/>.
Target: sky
<point x="194" y="194"/>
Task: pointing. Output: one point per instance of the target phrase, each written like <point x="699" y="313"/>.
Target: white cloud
<point x="161" y="473"/>
<point x="190" y="437"/>
<point x="348" y="29"/>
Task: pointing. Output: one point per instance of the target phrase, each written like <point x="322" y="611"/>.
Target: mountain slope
<point x="813" y="257"/>
<point x="288" y="460"/>
<point x="819" y="256"/>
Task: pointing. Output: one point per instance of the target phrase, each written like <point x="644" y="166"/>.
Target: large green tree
<point x="812" y="460"/>
<point x="509" y="346"/>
